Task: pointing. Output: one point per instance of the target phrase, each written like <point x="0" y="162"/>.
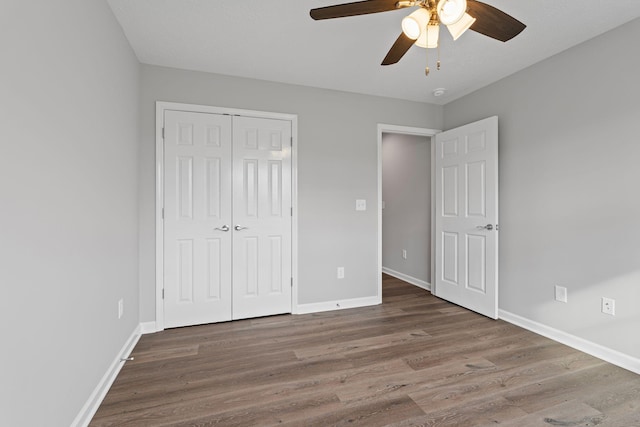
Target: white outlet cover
<point x="609" y="306"/>
<point x="361" y="205"/>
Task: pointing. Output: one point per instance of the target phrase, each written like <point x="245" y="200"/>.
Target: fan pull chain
<point x="426" y="70"/>
<point x="438" y="57"/>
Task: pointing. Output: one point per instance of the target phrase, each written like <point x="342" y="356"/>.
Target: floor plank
<point x="415" y="360"/>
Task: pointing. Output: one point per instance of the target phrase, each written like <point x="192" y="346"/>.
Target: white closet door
<point x="197" y="218"/>
<point x="262" y="217"/>
<point x="467" y="216"/>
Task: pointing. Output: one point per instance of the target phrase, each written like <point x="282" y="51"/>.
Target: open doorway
<point x="405" y="191"/>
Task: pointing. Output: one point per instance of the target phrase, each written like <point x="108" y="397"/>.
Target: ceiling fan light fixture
<point x="451" y="11"/>
<point x="422" y="27"/>
<point x="429" y="39"/>
<point x="458" y="28"/>
<point x="413" y="24"/>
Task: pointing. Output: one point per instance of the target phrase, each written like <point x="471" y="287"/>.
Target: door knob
<point x="239" y="227"/>
<point x="223" y="228"/>
<point x="485" y="227"/>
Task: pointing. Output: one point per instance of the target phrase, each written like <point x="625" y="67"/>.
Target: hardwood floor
<point x="413" y="361"/>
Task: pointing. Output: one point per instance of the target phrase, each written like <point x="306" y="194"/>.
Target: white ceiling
<point x="277" y="40"/>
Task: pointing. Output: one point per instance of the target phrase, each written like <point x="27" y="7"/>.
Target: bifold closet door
<point x="227" y="217"/>
<point x="197" y="218"/>
<point x="261" y="217"/>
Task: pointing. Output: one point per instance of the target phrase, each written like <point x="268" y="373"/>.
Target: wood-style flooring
<point x="415" y="360"/>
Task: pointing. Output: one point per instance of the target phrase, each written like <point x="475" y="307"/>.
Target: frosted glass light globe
<point x="451" y="11"/>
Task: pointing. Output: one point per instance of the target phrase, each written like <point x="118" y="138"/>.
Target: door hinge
<point x="162" y="213"/>
<point x="162" y="293"/>
<point x="291" y="140"/>
<point x="292" y="282"/>
<point x="162" y="133"/>
<point x="291" y="211"/>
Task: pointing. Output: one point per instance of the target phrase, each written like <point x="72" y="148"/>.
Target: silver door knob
<point x="239" y="227"/>
<point x="485" y="227"/>
<point x="223" y="228"/>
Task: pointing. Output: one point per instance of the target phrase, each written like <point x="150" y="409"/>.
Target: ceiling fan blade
<point x="353" y="9"/>
<point x="397" y="51"/>
<point x="493" y="22"/>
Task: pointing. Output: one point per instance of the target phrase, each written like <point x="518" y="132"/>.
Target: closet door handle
<point x="485" y="227"/>
<point x="239" y="227"/>
<point x="223" y="228"/>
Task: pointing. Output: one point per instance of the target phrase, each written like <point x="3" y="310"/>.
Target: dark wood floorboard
<point x="415" y="360"/>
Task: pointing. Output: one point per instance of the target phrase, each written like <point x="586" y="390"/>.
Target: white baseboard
<point x="148" y="328"/>
<point x="93" y="403"/>
<point x="337" y="305"/>
<point x="416" y="282"/>
<point x="612" y="356"/>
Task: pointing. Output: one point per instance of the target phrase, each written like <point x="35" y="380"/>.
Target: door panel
<point x="450" y="257"/>
<point x="213" y="189"/>
<point x="466" y="202"/>
<point x="262" y="212"/>
<point x="197" y="194"/>
<point x="476" y="189"/>
<point x="476" y="254"/>
<point x="450" y="191"/>
<point x="213" y="274"/>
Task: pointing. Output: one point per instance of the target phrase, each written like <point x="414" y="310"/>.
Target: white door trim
<point x="161" y="107"/>
<point x="405" y="130"/>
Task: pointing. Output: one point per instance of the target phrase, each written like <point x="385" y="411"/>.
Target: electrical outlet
<point x="120" y="308"/>
<point x="561" y="293"/>
<point x="404" y="254"/>
<point x="609" y="306"/>
<point x="361" y="205"/>
<point x="340" y="272"/>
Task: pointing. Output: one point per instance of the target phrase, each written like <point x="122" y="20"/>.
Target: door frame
<point x="405" y="130"/>
<point x="161" y="107"/>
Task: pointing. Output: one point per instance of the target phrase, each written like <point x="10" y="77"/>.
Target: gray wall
<point x="337" y="164"/>
<point x="569" y="176"/>
<point x="68" y="172"/>
<point x="406" y="191"/>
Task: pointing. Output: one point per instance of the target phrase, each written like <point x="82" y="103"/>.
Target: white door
<point x="466" y="223"/>
<point x="197" y="218"/>
<point x="261" y="217"/>
<point x="227" y="220"/>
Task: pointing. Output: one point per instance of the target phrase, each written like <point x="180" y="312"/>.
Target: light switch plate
<point x="561" y="293"/>
<point x="361" y="205"/>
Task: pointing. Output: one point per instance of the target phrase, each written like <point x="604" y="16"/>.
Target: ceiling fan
<point x="422" y="27"/>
